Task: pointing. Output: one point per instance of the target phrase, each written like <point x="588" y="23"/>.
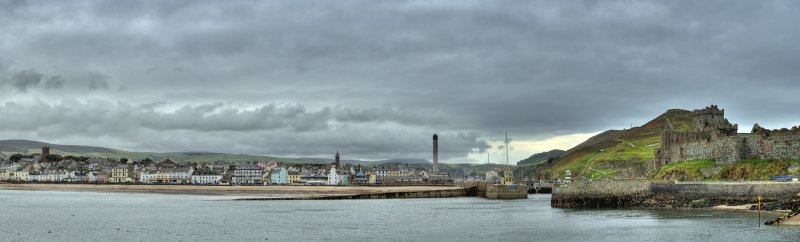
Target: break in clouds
<point x="375" y="79"/>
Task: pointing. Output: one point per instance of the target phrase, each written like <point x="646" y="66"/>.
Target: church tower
<point x="45" y="153"/>
<point x="337" y="163"/>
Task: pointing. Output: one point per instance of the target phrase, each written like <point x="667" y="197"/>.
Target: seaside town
<point x="52" y="168"/>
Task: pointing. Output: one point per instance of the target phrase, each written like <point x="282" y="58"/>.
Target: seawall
<point x="237" y="191"/>
<point x="456" y="192"/>
<point x="600" y="194"/>
<point x="668" y="194"/>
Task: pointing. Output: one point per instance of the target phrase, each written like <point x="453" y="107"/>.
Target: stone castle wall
<point x="667" y="194"/>
<point x="713" y="137"/>
<point x="776" y="147"/>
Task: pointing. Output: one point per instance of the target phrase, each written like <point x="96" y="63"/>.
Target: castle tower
<point x="336" y="163"/>
<point x="435" y="152"/>
<point x="712" y="119"/>
<point x="45" y="153"/>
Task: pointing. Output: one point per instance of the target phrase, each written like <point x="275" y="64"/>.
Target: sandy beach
<point x="744" y="207"/>
<point x="235" y="191"/>
<point x="793" y="221"/>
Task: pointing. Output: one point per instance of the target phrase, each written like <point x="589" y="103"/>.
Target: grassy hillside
<point x="614" y="153"/>
<point x="698" y="170"/>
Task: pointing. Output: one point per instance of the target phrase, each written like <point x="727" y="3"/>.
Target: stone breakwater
<point x="600" y="194"/>
<point x="456" y="192"/>
<point x="667" y="194"/>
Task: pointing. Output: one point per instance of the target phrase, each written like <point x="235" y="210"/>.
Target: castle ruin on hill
<point x="713" y="137"/>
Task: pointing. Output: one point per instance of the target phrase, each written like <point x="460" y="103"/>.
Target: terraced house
<point x="206" y="177"/>
<point x="181" y="175"/>
<point x="247" y="175"/>
<point x="120" y="174"/>
<point x="279" y="176"/>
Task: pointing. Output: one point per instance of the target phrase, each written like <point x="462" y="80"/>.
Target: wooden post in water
<point x="759" y="211"/>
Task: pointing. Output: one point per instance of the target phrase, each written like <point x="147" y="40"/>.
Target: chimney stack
<point x="435" y="152"/>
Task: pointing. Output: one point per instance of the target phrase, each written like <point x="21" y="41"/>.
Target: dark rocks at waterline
<point x="787" y="204"/>
<point x="671" y="195"/>
<point x="597" y="202"/>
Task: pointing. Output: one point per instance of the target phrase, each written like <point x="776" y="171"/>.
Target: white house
<point x="37" y="177"/>
<point x="75" y="176"/>
<point x="175" y="175"/>
<point x="206" y="177"/>
<point x="148" y="177"/>
<point x="8" y="166"/>
<point x="333" y="177"/>
<point x="382" y="172"/>
<point x="57" y="176"/>
<point x="91" y="176"/>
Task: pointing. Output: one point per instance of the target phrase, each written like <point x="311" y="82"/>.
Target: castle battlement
<point x="710" y="110"/>
<point x="712" y="119"/>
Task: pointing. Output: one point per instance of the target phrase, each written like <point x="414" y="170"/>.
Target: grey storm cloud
<point x="300" y="77"/>
<point x="54" y="82"/>
<point x="25" y="79"/>
<point x="97" y="80"/>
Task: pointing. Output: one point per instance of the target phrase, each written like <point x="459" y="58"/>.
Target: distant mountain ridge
<point x="9" y="147"/>
<point x="23" y="146"/>
<point x="543" y="156"/>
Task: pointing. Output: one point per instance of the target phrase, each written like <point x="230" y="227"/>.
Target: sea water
<point x="91" y="216"/>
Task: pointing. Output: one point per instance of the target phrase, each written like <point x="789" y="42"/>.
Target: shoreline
<point x="294" y="192"/>
<point x="775" y="197"/>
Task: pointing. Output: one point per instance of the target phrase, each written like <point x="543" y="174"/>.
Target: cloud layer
<point x="376" y="79"/>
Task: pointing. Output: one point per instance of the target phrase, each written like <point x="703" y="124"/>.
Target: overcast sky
<point x="375" y="79"/>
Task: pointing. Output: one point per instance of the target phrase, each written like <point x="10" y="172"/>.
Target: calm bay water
<point x="84" y="216"/>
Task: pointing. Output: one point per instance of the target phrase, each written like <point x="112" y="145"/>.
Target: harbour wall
<point x="456" y="192"/>
<point x="668" y="194"/>
<point x="494" y="191"/>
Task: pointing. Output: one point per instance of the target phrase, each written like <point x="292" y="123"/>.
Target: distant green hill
<point x="9" y="147"/>
<point x="529" y="165"/>
<point x="541" y="157"/>
<point x="24" y="146"/>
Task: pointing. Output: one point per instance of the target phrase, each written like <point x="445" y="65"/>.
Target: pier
<point x="455" y="192"/>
